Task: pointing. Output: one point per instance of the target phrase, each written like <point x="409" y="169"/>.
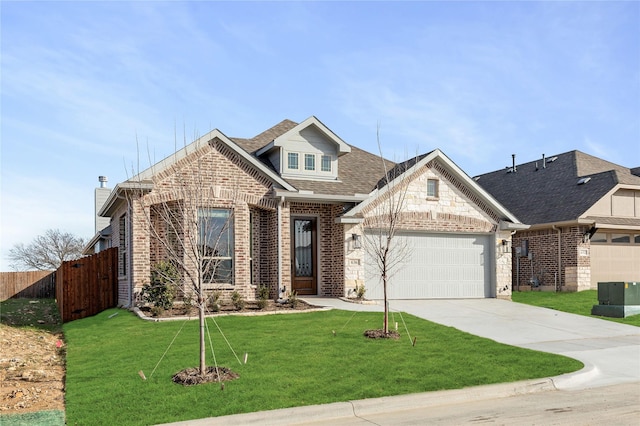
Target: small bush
<point x="238" y="300"/>
<point x="360" y="291"/>
<point x="214" y="301"/>
<point x="161" y="291"/>
<point x="293" y="299"/>
<point x="187" y="302"/>
<point x="263" y="296"/>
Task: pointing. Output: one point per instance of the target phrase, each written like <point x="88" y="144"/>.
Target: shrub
<point x="293" y="299"/>
<point x="360" y="291"/>
<point x="187" y="302"/>
<point x="161" y="291"/>
<point x="263" y="296"/>
<point x="214" y="301"/>
<point x="238" y="300"/>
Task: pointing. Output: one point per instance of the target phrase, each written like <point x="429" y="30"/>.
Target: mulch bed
<point x="380" y="334"/>
<point x="250" y="306"/>
<point x="192" y="376"/>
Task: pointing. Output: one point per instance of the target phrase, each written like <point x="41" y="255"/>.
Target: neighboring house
<point x="584" y="217"/>
<point x="300" y="198"/>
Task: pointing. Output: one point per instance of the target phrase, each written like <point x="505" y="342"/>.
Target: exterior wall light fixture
<point x="356" y="242"/>
<point x="506" y="246"/>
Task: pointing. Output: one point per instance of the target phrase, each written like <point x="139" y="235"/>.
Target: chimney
<point x="100" y="197"/>
<point x="513" y="161"/>
<point x="544" y="161"/>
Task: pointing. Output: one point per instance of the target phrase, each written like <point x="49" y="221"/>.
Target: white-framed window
<point x="292" y="161"/>
<point x="621" y="238"/>
<point x="432" y="188"/>
<point x="122" y="245"/>
<point x="215" y="236"/>
<point x="325" y="163"/>
<point x="309" y="162"/>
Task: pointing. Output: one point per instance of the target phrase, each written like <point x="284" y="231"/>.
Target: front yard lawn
<point x="293" y="360"/>
<point x="576" y="303"/>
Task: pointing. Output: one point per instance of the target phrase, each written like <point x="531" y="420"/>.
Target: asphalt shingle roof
<point x="358" y="171"/>
<point x="537" y="194"/>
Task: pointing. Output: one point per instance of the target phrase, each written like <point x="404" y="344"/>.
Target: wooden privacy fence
<point x="29" y="284"/>
<point x="87" y="286"/>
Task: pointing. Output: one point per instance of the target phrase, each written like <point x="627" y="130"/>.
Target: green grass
<point x="293" y="360"/>
<point x="576" y="303"/>
<point x="39" y="314"/>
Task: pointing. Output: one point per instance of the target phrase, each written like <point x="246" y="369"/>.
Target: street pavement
<point x="610" y="352"/>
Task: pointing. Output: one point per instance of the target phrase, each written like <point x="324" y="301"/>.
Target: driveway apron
<point x="610" y="351"/>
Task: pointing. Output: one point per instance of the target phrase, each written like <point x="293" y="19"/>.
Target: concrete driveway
<point x="609" y="350"/>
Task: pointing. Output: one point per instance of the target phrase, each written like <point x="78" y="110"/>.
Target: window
<point x="432" y="188"/>
<point x="325" y="163"/>
<point x="599" y="237"/>
<point x="215" y="236"/>
<point x="292" y="159"/>
<point x="620" y="238"/>
<point x="636" y="239"/>
<point x="309" y="162"/>
<point x="122" y="246"/>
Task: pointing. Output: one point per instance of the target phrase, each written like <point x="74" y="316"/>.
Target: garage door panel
<point x="439" y="266"/>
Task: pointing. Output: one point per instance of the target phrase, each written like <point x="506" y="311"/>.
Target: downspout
<point x="559" y="256"/>
<point x="517" y="262"/>
<point x="279" y="224"/>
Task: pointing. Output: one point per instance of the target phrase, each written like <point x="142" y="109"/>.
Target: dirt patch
<point x="32" y="363"/>
<point x="192" y="376"/>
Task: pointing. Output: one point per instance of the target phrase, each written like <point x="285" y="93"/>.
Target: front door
<point x="303" y="243"/>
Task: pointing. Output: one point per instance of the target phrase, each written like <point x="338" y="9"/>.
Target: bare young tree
<point x="382" y="244"/>
<point x="190" y="225"/>
<point x="46" y="252"/>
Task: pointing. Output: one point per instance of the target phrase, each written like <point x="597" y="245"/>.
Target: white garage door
<point x="438" y="266"/>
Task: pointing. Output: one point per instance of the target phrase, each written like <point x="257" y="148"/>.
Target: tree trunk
<point x="203" y="365"/>
<point x="385" y="325"/>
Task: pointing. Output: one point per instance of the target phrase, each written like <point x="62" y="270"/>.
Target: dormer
<point x="308" y="151"/>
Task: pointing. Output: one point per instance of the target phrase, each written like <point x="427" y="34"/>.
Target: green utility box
<point x="617" y="299"/>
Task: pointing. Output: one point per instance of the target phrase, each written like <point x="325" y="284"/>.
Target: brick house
<point x="584" y="217"/>
<point x="301" y="200"/>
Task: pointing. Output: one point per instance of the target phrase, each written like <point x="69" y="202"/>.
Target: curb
<point x="361" y="408"/>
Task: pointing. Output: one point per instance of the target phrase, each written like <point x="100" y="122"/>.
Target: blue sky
<point x="90" y="88"/>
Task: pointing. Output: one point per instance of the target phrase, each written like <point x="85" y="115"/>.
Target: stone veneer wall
<point x="455" y="210"/>
<point x="331" y="251"/>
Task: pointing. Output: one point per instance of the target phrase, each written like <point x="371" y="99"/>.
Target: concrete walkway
<point x="610" y="352"/>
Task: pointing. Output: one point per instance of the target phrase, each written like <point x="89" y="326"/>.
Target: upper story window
<point x="432" y="188"/>
<point x="292" y="161"/>
<point x="309" y="162"/>
<point x="310" y="165"/>
<point x="325" y="163"/>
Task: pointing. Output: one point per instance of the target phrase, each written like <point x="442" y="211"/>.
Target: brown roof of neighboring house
<point x="358" y="171"/>
<point x="537" y="194"/>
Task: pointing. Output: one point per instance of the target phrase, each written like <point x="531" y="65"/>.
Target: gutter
<point x="311" y="196"/>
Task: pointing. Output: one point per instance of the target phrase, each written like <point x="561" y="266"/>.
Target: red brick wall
<point x="330" y="242"/>
<point x="223" y="180"/>
<point x="543" y="246"/>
